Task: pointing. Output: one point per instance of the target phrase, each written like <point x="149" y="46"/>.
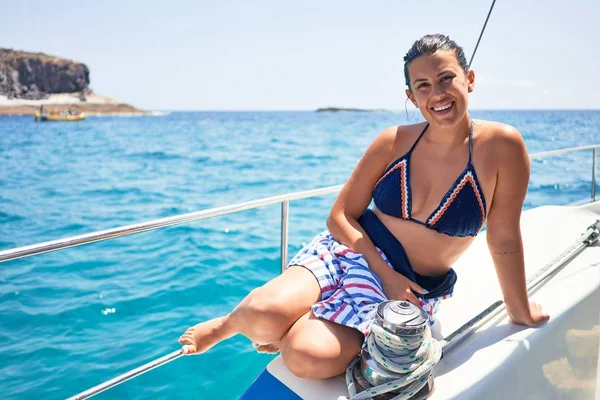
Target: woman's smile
<point x="443" y="109"/>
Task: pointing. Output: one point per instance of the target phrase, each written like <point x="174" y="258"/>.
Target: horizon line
<point x="361" y="110"/>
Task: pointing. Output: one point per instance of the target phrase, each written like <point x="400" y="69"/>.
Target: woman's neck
<point x="449" y="136"/>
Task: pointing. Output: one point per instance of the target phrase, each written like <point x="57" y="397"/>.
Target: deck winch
<point x="399" y="355"/>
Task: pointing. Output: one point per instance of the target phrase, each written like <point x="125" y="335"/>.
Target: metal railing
<point x="560" y="152"/>
<point x="284" y="200"/>
<point x="59" y="244"/>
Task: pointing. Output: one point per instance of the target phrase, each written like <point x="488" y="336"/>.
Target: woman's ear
<point x="410" y="96"/>
<point x="471" y="80"/>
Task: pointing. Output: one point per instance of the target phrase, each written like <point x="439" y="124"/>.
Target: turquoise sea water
<point x="75" y="318"/>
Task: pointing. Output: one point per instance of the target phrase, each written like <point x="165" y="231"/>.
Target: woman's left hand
<point x="536" y="316"/>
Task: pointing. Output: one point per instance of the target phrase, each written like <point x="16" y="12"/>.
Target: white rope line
<point x="412" y="356"/>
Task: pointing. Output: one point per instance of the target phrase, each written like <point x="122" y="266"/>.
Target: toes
<point x="188" y="349"/>
<point x="186" y="340"/>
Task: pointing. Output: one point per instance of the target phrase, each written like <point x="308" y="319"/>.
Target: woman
<point x="317" y="312"/>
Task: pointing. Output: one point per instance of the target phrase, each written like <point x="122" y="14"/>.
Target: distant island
<point x="338" y="109"/>
<point x="30" y="80"/>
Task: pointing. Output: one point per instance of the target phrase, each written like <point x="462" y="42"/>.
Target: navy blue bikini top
<point x="462" y="210"/>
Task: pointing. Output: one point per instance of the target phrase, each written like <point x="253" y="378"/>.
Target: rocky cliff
<point x="30" y="80"/>
<point x="35" y="76"/>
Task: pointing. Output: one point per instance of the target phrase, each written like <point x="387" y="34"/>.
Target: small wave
<point x="315" y="157"/>
<point x="201" y="160"/>
<point x="5" y="218"/>
<point x="156" y="155"/>
<point x="114" y="191"/>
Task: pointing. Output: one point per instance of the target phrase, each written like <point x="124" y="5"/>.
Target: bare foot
<point x="270" y="348"/>
<point x="201" y="337"/>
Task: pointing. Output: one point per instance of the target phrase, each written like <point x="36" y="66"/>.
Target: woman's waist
<point x="429" y="252"/>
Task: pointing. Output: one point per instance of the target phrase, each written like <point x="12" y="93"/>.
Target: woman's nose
<point x="438" y="92"/>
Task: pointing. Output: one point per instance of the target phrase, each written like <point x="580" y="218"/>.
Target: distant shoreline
<point x="93" y="104"/>
<point x="121" y="109"/>
<point x="343" y="109"/>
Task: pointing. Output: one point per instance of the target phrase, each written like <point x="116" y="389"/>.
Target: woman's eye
<point x="446" y="78"/>
<point x="422" y="85"/>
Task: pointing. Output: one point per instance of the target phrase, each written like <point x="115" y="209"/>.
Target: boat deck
<point x="502" y="360"/>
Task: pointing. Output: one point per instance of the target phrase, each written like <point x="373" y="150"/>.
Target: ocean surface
<point x="74" y="318"/>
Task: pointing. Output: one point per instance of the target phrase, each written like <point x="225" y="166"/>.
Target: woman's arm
<point x="504" y="229"/>
<point x="352" y="201"/>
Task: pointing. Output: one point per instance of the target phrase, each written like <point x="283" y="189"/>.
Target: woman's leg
<point x="317" y="348"/>
<point x="264" y="316"/>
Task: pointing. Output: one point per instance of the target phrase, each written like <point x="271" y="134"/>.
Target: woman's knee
<point x="301" y="364"/>
<point x="268" y="303"/>
<point x="316" y="363"/>
<point x="265" y="315"/>
<point x="269" y="311"/>
<point x="310" y="355"/>
<point x="290" y="295"/>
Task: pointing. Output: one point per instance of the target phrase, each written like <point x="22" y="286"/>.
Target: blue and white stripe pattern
<point x="350" y="291"/>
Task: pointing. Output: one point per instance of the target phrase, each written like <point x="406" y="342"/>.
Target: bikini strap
<point x="471" y="142"/>
<point x="419" y="138"/>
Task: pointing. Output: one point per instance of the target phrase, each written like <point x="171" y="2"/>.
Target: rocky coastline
<point x="31" y="80"/>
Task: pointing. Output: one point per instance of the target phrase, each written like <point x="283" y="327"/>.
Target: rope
<point x="412" y="356"/>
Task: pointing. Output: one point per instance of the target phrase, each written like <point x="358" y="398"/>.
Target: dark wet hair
<point x="429" y="44"/>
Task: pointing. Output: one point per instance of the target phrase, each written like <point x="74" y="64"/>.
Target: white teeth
<point x="442" y="108"/>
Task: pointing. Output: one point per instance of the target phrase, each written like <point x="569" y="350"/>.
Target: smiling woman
<point x="444" y="72"/>
<point x="427" y="211"/>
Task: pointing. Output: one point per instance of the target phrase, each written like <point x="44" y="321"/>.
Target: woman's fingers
<point x="410" y="296"/>
<point x="535" y="316"/>
<point x="415" y="287"/>
<point x="399" y="287"/>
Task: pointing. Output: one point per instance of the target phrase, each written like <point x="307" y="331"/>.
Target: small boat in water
<point x="78" y="116"/>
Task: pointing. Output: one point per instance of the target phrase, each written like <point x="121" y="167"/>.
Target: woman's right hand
<point x="398" y="287"/>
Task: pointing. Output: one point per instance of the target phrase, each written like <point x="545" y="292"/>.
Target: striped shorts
<point x="350" y="291"/>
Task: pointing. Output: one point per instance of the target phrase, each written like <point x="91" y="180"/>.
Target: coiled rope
<point x="412" y="356"/>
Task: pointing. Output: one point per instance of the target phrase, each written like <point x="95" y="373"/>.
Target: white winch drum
<point x="400" y="318"/>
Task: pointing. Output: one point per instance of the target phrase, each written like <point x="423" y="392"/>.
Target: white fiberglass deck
<point x="502" y="360"/>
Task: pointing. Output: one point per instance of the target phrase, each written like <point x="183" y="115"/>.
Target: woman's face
<point x="440" y="88"/>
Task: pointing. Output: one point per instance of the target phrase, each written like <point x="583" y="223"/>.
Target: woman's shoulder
<point x="493" y="131"/>
<point x="498" y="137"/>
<point x="403" y="130"/>
<point x="500" y="145"/>
<point x="400" y="135"/>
